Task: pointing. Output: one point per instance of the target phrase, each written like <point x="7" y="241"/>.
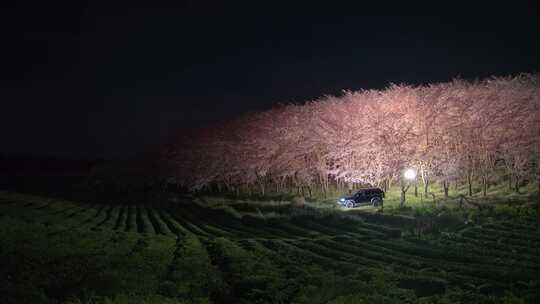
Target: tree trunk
<point x="402" y="199"/>
<point x="403" y="192"/>
<point x="324" y="183"/>
<point x="469" y="182"/>
<point x="538" y="179"/>
<point x="416" y="187"/>
<point x="516" y="187"/>
<point x="425" y="181"/>
<point x="484" y="185"/>
<point x="446" y="186"/>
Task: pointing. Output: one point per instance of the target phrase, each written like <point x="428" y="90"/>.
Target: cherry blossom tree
<point x="473" y="130"/>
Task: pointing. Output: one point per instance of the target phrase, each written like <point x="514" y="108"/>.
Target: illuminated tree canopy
<point x="471" y="130"/>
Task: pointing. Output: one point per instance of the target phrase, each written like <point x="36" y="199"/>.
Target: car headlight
<point x="341" y="199"/>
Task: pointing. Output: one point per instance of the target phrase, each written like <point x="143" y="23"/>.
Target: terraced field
<point x="184" y="252"/>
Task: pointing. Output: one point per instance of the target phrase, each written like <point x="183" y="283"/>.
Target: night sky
<point x="86" y="80"/>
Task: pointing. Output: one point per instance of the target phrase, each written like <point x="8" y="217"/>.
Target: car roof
<point x="368" y="189"/>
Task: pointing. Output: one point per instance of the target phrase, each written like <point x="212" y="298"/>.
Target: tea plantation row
<point x="56" y="251"/>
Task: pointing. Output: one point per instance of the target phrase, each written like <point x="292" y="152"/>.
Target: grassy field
<point x="55" y="251"/>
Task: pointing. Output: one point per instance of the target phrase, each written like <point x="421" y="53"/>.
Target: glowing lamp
<point x="410" y="174"/>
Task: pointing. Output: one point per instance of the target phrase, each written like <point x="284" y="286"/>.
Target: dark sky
<point x="89" y="80"/>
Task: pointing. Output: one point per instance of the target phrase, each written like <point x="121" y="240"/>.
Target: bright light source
<point x="410" y="174"/>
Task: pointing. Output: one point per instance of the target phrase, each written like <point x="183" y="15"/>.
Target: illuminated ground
<point x="184" y="253"/>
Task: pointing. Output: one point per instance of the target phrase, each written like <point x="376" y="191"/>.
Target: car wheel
<point x="350" y="204"/>
<point x="376" y="201"/>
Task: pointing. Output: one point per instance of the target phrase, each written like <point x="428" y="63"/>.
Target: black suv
<point x="363" y="197"/>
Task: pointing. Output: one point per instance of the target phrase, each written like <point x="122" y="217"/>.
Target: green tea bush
<point x="192" y="272"/>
